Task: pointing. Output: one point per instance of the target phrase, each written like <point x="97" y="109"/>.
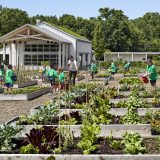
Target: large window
<point x="53" y="47"/>
<point x="36" y="59"/>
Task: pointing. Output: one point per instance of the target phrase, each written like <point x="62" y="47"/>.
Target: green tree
<point x="68" y="21"/>
<point x="117" y="32"/>
<point x="99" y="40"/>
<point x="11" y="19"/>
<point x="49" y="19"/>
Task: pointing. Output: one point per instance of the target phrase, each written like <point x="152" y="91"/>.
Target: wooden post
<point x="63" y="55"/>
<point x="4" y="51"/>
<point x="10" y="54"/>
<point x="59" y="56"/>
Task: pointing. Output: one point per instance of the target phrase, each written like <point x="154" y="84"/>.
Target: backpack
<point x="14" y="78"/>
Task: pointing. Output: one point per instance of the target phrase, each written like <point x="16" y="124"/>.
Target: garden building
<point x="30" y="45"/>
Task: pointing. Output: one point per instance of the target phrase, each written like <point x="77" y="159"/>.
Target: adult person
<point x="9" y="78"/>
<point x="72" y="67"/>
<point x="52" y="75"/>
<point x="151" y="72"/>
<point x="127" y="66"/>
<point x="94" y="68"/>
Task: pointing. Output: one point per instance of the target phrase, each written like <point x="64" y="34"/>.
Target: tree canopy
<point x="111" y="30"/>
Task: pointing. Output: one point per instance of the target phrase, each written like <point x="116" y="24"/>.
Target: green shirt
<point x="152" y="70"/>
<point x="61" y="77"/>
<point x="127" y="66"/>
<point x="9" y="74"/>
<point x="94" y="67"/>
<point x="51" y="73"/>
<point x="113" y="68"/>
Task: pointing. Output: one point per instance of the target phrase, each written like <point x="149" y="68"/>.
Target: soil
<point x="151" y="145"/>
<point x="103" y="144"/>
<point x="55" y="120"/>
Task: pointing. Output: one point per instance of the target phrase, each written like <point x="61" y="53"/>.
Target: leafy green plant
<point x="66" y="136"/>
<point x="70" y="121"/>
<point x="7" y="132"/>
<point x="132" y="117"/>
<point x="89" y="138"/>
<point x="115" y="144"/>
<point x="25" y="90"/>
<point x="44" y="115"/>
<point x="133" y="143"/>
<point x="130" y="81"/>
<point x="100" y="110"/>
<point x="29" y="149"/>
<point x="155" y="126"/>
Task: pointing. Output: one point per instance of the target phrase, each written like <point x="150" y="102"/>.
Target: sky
<point x="83" y="8"/>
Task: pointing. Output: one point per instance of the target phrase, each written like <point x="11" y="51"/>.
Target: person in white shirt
<point x="72" y="67"/>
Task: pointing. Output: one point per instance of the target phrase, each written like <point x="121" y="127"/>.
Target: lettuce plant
<point x="7" y="132"/>
<point x="133" y="143"/>
<point x="42" y="141"/>
<point x="89" y="133"/>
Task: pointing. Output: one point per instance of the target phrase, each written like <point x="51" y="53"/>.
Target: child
<point x="94" y="69"/>
<point x="9" y="78"/>
<point x="44" y="72"/>
<point x="151" y="72"/>
<point x="1" y="74"/>
<point x="127" y="66"/>
<point x="61" y="78"/>
<point x="52" y="74"/>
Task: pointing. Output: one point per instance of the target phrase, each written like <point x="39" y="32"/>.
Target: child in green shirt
<point x="9" y="78"/>
<point x="113" y="68"/>
<point x="52" y="74"/>
<point x="61" y="78"/>
<point x="127" y="66"/>
<point x="94" y="69"/>
<point x="151" y="73"/>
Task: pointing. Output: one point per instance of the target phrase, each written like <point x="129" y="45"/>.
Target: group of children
<point x="150" y="70"/>
<point x="113" y="69"/>
<point x="52" y="75"/>
<point x="7" y="76"/>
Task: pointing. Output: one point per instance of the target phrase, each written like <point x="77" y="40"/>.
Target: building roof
<point x="51" y="34"/>
<point x="67" y="31"/>
<point x="38" y="29"/>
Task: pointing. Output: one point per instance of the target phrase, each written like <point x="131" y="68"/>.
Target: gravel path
<point x="9" y="110"/>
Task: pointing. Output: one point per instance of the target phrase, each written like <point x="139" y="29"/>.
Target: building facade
<point x="32" y="45"/>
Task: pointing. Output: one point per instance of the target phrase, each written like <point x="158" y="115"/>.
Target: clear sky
<point x="84" y="8"/>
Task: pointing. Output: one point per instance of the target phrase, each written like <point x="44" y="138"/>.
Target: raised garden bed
<point x="115" y="111"/>
<point x="117" y="129"/>
<point x="24" y="96"/>
<point x="26" y="84"/>
<point x="79" y="157"/>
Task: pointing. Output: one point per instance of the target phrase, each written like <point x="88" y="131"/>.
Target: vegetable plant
<point x="89" y="133"/>
<point x="7" y="132"/>
<point x="41" y="140"/>
<point x="133" y="143"/>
